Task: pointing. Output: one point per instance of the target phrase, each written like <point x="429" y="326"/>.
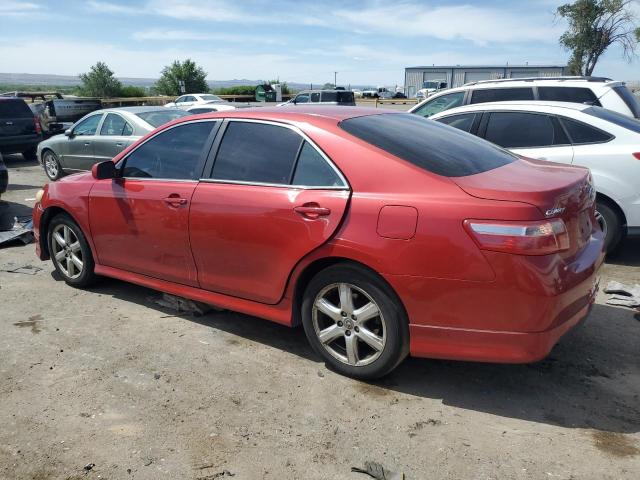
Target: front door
<point x="272" y="198"/>
<point x="140" y="221"/>
<point x="79" y="147"/>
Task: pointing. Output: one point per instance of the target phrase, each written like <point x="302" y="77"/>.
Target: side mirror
<point x="68" y="132"/>
<point x="104" y="170"/>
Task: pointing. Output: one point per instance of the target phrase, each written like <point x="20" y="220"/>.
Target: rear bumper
<point x="488" y="346"/>
<point x="19" y="143"/>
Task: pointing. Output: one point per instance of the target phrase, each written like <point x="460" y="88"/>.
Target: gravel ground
<point x="104" y="383"/>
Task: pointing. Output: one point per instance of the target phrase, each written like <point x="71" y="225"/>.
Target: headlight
<point x="39" y="195"/>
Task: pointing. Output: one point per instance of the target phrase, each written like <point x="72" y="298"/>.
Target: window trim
<point x="213" y="154"/>
<point x="201" y="162"/>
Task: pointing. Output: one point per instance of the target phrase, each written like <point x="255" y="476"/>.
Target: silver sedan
<point x="100" y="136"/>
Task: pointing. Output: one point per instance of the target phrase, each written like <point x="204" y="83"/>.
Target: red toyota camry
<point x="382" y="233"/>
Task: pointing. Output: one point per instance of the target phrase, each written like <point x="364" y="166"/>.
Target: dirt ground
<point x="107" y="379"/>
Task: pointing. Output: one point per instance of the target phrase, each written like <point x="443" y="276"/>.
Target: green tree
<point x="595" y="25"/>
<point x="193" y="76"/>
<point x="132" y="91"/>
<point x="99" y="82"/>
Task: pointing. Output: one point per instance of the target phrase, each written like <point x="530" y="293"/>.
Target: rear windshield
<point x="629" y="98"/>
<point x="615" y="117"/>
<point x="14" y="109"/>
<point x="428" y="144"/>
<point x="339" y="97"/>
<point x="211" y="98"/>
<point x="160" y="117"/>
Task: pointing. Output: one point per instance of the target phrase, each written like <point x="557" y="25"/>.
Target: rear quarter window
<point x="14" y="109"/>
<point x="568" y="94"/>
<point x="428" y="144"/>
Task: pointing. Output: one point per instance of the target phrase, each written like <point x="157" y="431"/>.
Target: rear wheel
<point x="611" y="225"/>
<point x="354" y="321"/>
<point x="51" y="165"/>
<point x="70" y="252"/>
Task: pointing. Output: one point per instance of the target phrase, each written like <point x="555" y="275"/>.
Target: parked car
<point x="454" y="248"/>
<point x="429" y="88"/>
<point x="206" y="108"/>
<point x="100" y="136"/>
<point x="4" y="176"/>
<point x="606" y="142"/>
<point x="380" y="92"/>
<point x="20" y="130"/>
<point x="193" y="99"/>
<point x="601" y="92"/>
<point x="322" y="97"/>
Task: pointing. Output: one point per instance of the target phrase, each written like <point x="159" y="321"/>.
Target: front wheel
<point x="354" y="321"/>
<point x="610" y="224"/>
<point x="51" y="165"/>
<point x="70" y="252"/>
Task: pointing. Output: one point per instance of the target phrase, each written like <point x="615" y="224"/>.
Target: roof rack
<point x="531" y="79"/>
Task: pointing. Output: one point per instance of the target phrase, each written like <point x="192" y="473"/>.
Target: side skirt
<point x="280" y="313"/>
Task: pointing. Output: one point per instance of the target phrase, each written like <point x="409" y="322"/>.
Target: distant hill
<point x="72" y="80"/>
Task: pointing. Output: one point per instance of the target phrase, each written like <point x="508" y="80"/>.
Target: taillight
<point x="637" y="155"/>
<point x="523" y="238"/>
<point x="36" y="123"/>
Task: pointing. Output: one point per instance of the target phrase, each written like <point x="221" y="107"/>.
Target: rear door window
<point x="463" y="122"/>
<point x="440" y="104"/>
<point x="429" y="145"/>
<point x="257" y="153"/>
<point x="568" y="94"/>
<point x="115" y="125"/>
<point x="582" y="133"/>
<point x="175" y="154"/>
<point x="315" y="97"/>
<point x="14" y="109"/>
<point x="485" y="95"/>
<point x="519" y="130"/>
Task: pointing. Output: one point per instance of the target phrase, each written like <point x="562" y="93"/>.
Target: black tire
<point x="69" y="270"/>
<point x="611" y="224"/>
<point x="368" y="288"/>
<point x="51" y="165"/>
<point x="30" y="154"/>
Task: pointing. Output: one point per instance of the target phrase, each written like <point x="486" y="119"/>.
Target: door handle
<point x="175" y="200"/>
<point x="86" y="144"/>
<point x="118" y="144"/>
<point x="312" y="211"/>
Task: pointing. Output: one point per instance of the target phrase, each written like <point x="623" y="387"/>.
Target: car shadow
<point x="18" y="187"/>
<point x="17" y="160"/>
<point x="628" y="253"/>
<point x="586" y="382"/>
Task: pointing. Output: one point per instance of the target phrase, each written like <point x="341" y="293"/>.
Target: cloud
<point x="16" y="8"/>
<point x="192" y="35"/>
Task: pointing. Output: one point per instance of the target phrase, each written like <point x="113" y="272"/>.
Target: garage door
<point x="477" y="76"/>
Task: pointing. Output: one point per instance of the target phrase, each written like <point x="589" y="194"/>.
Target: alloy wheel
<point x="51" y="165"/>
<point x="67" y="251"/>
<point x="349" y="324"/>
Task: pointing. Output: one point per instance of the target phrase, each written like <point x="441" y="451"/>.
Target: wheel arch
<point x="45" y="220"/>
<point x="316" y="266"/>
<point x="614" y="205"/>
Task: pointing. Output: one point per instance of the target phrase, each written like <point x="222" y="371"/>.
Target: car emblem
<point x="554" y="211"/>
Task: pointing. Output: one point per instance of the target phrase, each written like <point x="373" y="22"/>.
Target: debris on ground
<point x="377" y="471"/>
<point x="183" y="305"/>
<point x="21" y="229"/>
<point x="25" y="269"/>
<point x="623" y="295"/>
<point x="89" y="466"/>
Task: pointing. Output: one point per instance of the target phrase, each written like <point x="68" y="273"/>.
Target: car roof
<point x="302" y="113"/>
<point x="133" y="110"/>
<point x="517" y="104"/>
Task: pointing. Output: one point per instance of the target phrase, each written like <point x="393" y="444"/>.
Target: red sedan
<point x="382" y="233"/>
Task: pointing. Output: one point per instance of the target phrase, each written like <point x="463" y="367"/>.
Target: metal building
<point x="456" y="76"/>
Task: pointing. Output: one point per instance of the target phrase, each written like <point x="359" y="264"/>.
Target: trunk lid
<point x="556" y="190"/>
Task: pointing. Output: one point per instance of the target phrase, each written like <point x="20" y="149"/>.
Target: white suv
<point x="601" y="92"/>
<point x="606" y="142"/>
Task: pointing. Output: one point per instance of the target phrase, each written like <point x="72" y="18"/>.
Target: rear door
<point x="115" y="135"/>
<point x="79" y="146"/>
<point x="270" y="197"/>
<point x="533" y="135"/>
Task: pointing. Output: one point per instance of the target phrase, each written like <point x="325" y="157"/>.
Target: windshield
<point x="156" y="118"/>
<point x="614" y="117"/>
<point x="211" y="98"/>
<point x="430" y="145"/>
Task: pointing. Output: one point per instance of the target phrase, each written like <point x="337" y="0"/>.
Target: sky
<point x="367" y="42"/>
